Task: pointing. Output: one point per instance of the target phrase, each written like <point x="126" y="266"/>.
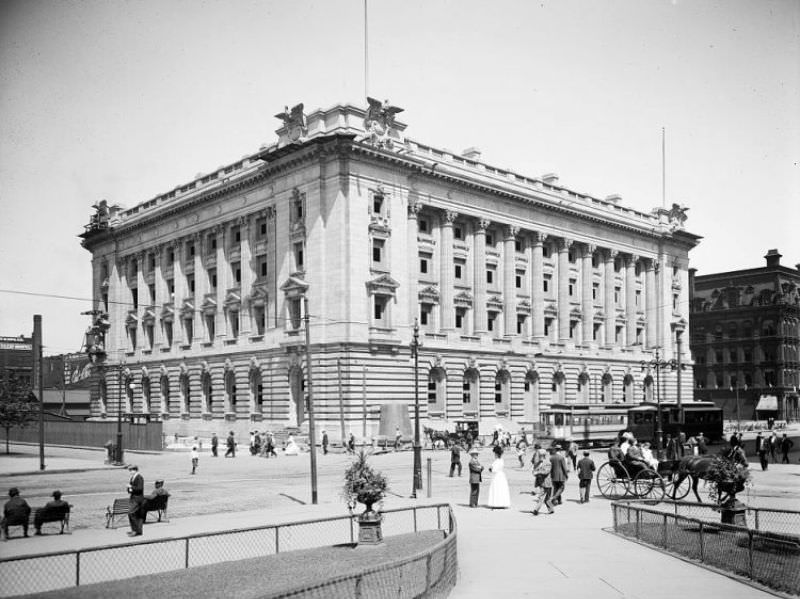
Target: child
<point x="195" y="459"/>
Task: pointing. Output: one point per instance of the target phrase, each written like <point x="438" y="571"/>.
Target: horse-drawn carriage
<point x="617" y="479"/>
<point x="466" y="435"/>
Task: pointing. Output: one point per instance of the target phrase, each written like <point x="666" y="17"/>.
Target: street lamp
<point x="417" y="482"/>
<point x="658" y="364"/>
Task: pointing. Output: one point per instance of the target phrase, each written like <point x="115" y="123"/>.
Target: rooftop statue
<point x="294" y="121"/>
<point x="379" y="123"/>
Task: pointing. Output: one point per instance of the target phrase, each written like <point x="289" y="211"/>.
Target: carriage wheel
<point x="681" y="490"/>
<point x="648" y="484"/>
<point x="609" y="482"/>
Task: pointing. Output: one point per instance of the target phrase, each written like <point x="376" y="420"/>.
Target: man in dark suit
<point x="455" y="459"/>
<point x="475" y="470"/>
<point x="324" y="442"/>
<point x="135" y="505"/>
<point x="16" y="511"/>
<point x="585" y="473"/>
<point x="558" y="474"/>
<point x="762" y="449"/>
<point x="57" y="503"/>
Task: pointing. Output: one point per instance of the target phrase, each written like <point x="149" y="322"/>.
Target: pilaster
<point x="446" y="273"/>
<point x="509" y="277"/>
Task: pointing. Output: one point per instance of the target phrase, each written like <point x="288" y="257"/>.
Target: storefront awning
<point x="767" y="403"/>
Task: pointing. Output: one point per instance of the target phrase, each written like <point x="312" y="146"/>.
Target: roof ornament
<point x="294" y="123"/>
<point x="379" y="123"/>
<point x="677" y="217"/>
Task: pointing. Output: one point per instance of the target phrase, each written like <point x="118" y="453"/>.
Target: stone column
<point x="223" y="279"/>
<point x="563" y="289"/>
<point x="246" y="227"/>
<point x="117" y="308"/>
<point x="537" y="282"/>
<point x="509" y="282"/>
<point x="630" y="299"/>
<point x="446" y="274"/>
<point x="587" y="307"/>
<point x="412" y="230"/>
<point x="650" y="301"/>
<point x="180" y="291"/>
<point x="479" y="278"/>
<point x="610" y="308"/>
<point x="161" y="296"/>
<point x="200" y="283"/>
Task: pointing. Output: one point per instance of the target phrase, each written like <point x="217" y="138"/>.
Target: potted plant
<point x="364" y="485"/>
<point x="728" y="478"/>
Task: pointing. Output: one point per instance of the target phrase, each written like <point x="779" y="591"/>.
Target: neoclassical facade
<point x="526" y="293"/>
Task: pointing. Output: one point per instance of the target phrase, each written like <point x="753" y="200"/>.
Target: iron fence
<point x="767" y="557"/>
<point x="429" y="573"/>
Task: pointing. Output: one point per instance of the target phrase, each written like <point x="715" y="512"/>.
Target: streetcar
<point x="698" y="417"/>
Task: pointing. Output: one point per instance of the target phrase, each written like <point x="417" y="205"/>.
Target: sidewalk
<point x="502" y="553"/>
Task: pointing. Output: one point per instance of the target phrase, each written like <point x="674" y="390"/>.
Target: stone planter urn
<point x="369" y="527"/>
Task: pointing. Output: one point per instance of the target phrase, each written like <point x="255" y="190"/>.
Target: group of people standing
<point x="767" y="448"/>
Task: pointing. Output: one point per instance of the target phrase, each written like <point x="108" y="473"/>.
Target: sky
<point x="124" y="100"/>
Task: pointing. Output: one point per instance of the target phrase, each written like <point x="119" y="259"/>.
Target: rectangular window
<point x="151" y="262"/>
<point x="431" y="391"/>
<point x="135" y="298"/>
<point x="148" y="331"/>
<point x="518" y="278"/>
<point x="298" y="255"/>
<point x="571" y="288"/>
<point x="458" y="232"/>
<point x="458" y="270"/>
<point x="638" y="298"/>
<point x="422" y="225"/>
<point x="546" y="283"/>
<point x="674" y="301"/>
<point x="490" y="276"/>
<point x="595" y="290"/>
<point x="490" y="318"/>
<point x="171" y="288"/>
<point x="377" y="251"/>
<point x="595" y="261"/>
<point x="547" y="322"/>
<point x="377" y="204"/>
<point x="498" y="392"/>
<point x="132" y="337"/>
<point x="188" y="329"/>
<point x="190" y="283"/>
<point x="571" y="256"/>
<point x="210" y="326"/>
<point x="233" y="317"/>
<point x="545" y="251"/>
<point x="423" y="265"/>
<point x="295" y="315"/>
<point x="261" y="266"/>
<point x="236" y="237"/>
<point x="466" y="394"/>
<point x="236" y="271"/>
<point x="261" y="228"/>
<point x="489" y="239"/>
<point x="517" y="245"/>
<point x="212" y="243"/>
<point x="105" y="302"/>
<point x="425" y="314"/>
<point x="212" y="279"/>
<point x="151" y="288"/>
<point x="190" y="249"/>
<point x="168" y="333"/>
<point x="170" y="257"/>
<point x="379" y="308"/>
<point x="617" y="295"/>
<point x="572" y="327"/>
<point x="259" y="317"/>
<point x="520" y="325"/>
<point x="460" y="314"/>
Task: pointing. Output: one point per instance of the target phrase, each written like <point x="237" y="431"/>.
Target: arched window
<point x="185" y="394"/>
<point x="164" y="394"/>
<point x="470" y="389"/>
<point x="583" y="395"/>
<point x="146" y="395"/>
<point x="230" y="391"/>
<point x="607" y="389"/>
<point x="647" y="391"/>
<point x="256" y="392"/>
<point x="531" y="396"/>
<point x="627" y="389"/>
<point x="437" y="383"/>
<point x="502" y="392"/>
<point x="207" y="392"/>
<point x="557" y="391"/>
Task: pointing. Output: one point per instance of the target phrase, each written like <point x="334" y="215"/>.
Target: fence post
<point x="430" y="477"/>
<point x="439" y="518"/>
<point x="277" y="540"/>
<point x="750" y="552"/>
<point x="757" y="520"/>
<point x="614" y="508"/>
<point x="428" y="573"/>
<point x="665" y="531"/>
<point x="186" y="554"/>
<point x="415" y="519"/>
<point x="77" y="568"/>
<point x="638" y="522"/>
<point x="352" y="530"/>
<point x="702" y="541"/>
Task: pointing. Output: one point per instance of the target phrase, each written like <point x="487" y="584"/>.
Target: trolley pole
<point x="38" y="381"/>
<point x="311" y="433"/>
<point x="417" y="483"/>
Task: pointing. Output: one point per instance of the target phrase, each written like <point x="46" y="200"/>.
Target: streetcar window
<point x="559" y="419"/>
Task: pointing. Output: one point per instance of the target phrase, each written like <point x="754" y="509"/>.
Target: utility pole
<point x="311" y="433"/>
<point x="417" y="480"/>
<point x="38" y="381"/>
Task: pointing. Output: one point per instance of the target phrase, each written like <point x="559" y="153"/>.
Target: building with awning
<point x="767" y="403"/>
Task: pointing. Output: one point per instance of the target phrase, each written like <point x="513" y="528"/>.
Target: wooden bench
<point x="60" y="514"/>
<point x="15" y="520"/>
<point x="119" y="508"/>
<point x="157" y="504"/>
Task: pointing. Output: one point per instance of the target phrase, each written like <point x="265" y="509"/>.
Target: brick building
<point x="745" y="340"/>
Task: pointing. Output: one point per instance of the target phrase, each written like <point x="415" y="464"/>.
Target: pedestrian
<point x="539" y="454"/>
<point x="786" y="447"/>
<point x="701" y="444"/>
<point x="351" y="444"/>
<point x="16" y="511"/>
<point x="135" y="501"/>
<point x="572" y="452"/>
<point x="397" y="437"/>
<point x="774" y="443"/>
<point x="231" y="443"/>
<point x="558" y="474"/>
<point x="214" y="444"/>
<point x="271" y="445"/>
<point x="475" y="470"/>
<point x="455" y="459"/>
<point x="55" y="504"/>
<point x="324" y="442"/>
<point x="762" y="450"/>
<point x="195" y="459"/>
<point x="495" y="436"/>
<point x="499" y="496"/>
<point x="543" y="485"/>
<point x="585" y="474"/>
<point x="522" y="446"/>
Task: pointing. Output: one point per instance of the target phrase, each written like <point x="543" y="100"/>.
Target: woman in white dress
<point x="291" y="447"/>
<point x="499" y="496"/>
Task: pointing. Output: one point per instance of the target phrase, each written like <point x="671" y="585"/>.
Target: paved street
<point x="503" y="552"/>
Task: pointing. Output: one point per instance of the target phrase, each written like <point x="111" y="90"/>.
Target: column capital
<point x="510" y="232"/>
<point x="631" y="260"/>
<point x="649" y="264"/>
<point x="414" y="208"/>
<point x="589" y="249"/>
<point x="611" y="253"/>
<point x="538" y="238"/>
<point x="450" y="216"/>
<point x="564" y="244"/>
<point x="483" y="224"/>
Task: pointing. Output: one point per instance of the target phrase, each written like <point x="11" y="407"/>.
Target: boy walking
<point x="585" y="475"/>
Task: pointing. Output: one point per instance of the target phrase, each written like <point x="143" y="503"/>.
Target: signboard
<point x="70" y="371"/>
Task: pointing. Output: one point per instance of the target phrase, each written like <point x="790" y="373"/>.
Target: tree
<point x="18" y="405"/>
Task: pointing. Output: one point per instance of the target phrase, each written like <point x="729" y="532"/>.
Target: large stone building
<point x="745" y="339"/>
<point x="527" y="293"/>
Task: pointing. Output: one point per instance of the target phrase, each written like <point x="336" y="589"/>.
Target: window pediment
<point x="294" y="287"/>
<point x="187" y="309"/>
<point x="495" y="302"/>
<point x="233" y="298"/>
<point x="258" y="295"/>
<point x="429" y="295"/>
<point x="463" y="299"/>
<point x="132" y="320"/>
<point x="149" y="316"/>
<point x="167" y="313"/>
<point x="209" y="303"/>
<point x="382" y="285"/>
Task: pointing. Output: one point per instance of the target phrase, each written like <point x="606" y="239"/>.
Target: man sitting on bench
<point x="15" y="512"/>
<point x="56" y="504"/>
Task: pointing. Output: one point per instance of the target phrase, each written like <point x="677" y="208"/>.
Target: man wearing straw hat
<point x="475" y="470"/>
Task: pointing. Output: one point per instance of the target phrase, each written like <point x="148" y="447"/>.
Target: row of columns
<point x="628" y="312"/>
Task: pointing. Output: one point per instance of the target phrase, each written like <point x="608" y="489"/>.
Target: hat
<point x="474" y="451"/>
<point x="57" y="494"/>
<point x="159" y="482"/>
<point x="586" y="452"/>
<point x="133" y="467"/>
<point x="556" y="446"/>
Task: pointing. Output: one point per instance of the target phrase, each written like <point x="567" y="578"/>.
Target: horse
<point x="436" y="436"/>
<point x="696" y="467"/>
